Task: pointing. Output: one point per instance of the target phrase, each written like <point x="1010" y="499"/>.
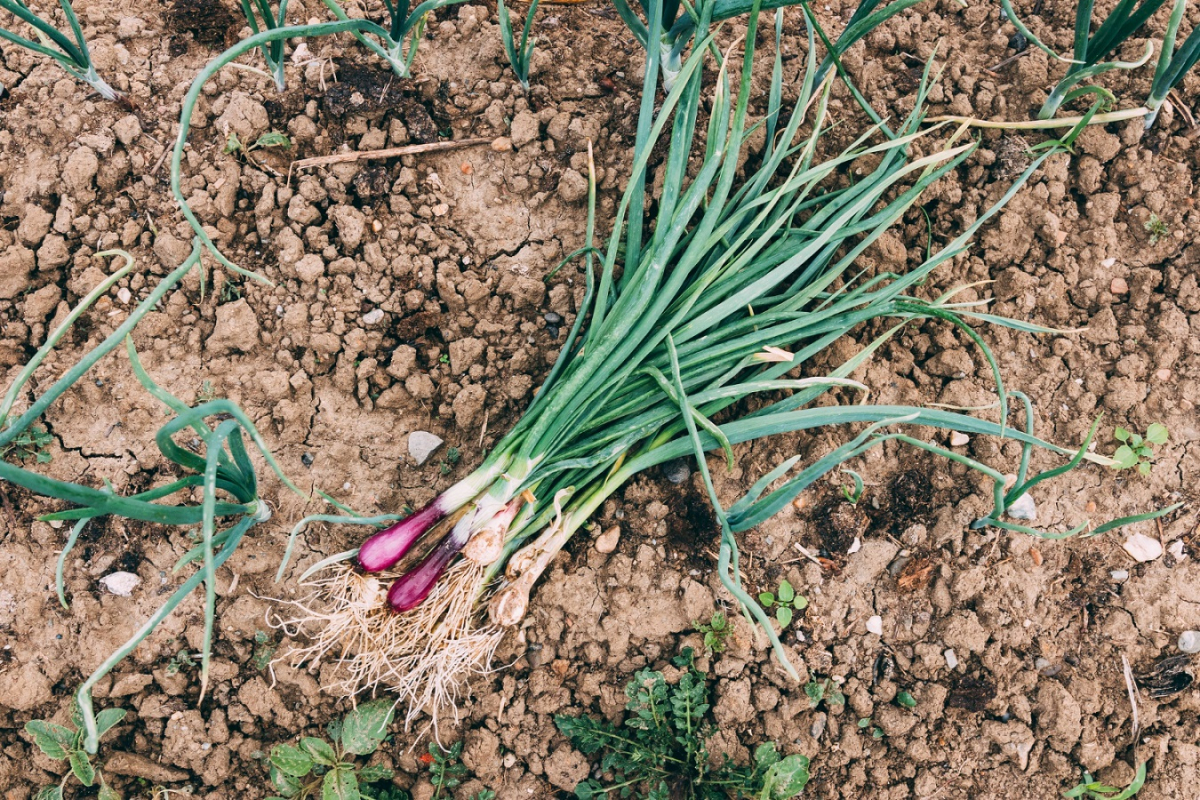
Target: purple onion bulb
<point x="387" y="547"/>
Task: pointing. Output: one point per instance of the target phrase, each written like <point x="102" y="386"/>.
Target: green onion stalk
<point x="69" y="52"/>
<point x="743" y="280"/>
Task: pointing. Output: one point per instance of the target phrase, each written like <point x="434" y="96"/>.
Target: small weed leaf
<point x="375" y="774"/>
<point x="108" y="718"/>
<point x="49" y="793"/>
<point x="766" y="598"/>
<point x="81" y="765"/>
<point x="1125" y="457"/>
<point x="905" y="699"/>
<point x="1157" y="433"/>
<point x="291" y="760"/>
<point x="784" y="615"/>
<point x="319" y="750"/>
<point x="285" y="784"/>
<point x="232" y="144"/>
<point x="365" y="728"/>
<point x="786" y="593"/>
<point x="274" y="139"/>
<point x="340" y="784"/>
<point x="1121" y="434"/>
<point x="53" y="740"/>
<point x="786" y="779"/>
<point x="108" y="793"/>
<point x="801" y="602"/>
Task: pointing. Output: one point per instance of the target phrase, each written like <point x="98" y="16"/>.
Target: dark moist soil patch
<point x="210" y="22"/>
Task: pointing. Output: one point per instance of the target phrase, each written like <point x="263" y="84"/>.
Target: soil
<point x="410" y="295"/>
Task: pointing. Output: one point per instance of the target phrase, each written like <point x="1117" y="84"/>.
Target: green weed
<point x="1138" y="451"/>
<point x="715" y="631"/>
<point x="1157" y="229"/>
<point x="30" y="443"/>
<point x="63" y="743"/>
<point x="327" y="769"/>
<point x="1089" y="789"/>
<point x="785" y="601"/>
<point x="661" y="750"/>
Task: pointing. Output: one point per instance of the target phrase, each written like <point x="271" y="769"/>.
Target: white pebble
<point x="875" y="625"/>
<point x="124" y="295"/>
<point x="1120" y="575"/>
<point x="120" y="583"/>
<point x="373" y="317"/>
<point x="1189" y="642"/>
<point x="1022" y="508"/>
<point x="951" y="659"/>
<point x="1143" y="548"/>
<point x="421" y="445"/>
<point x="855" y="546"/>
<point x="1176" y="549"/>
<point x="958" y="439"/>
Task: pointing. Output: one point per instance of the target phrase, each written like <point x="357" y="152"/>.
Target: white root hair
<point x="424" y="656"/>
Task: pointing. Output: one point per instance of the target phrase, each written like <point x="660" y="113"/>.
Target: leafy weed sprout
<point x="327" y="768"/>
<point x="1138" y="451"/>
<point x="1089" y="789"/>
<point x="661" y="749"/>
<point x="824" y="691"/>
<point x="33" y="443"/>
<point x="715" y="631"/>
<point x="447" y="772"/>
<point x="1157" y="229"/>
<point x="69" y="52"/>
<point x="785" y="601"/>
<point x="63" y="743"/>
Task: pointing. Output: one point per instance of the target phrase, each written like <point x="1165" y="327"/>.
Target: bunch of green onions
<point x="69" y="52"/>
<point x="741" y="280"/>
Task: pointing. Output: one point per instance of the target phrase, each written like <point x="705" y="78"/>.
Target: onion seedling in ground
<point x="734" y="286"/>
<point x="1172" y="64"/>
<point x="519" y="51"/>
<point x="405" y="24"/>
<point x="222" y="467"/>
<point x="69" y="52"/>
<point x="1125" y="20"/>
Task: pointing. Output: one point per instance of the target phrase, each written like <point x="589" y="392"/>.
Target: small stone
<point x="1022" y="508"/>
<point x="1176" y="549"/>
<point x="120" y="583"/>
<point x="1041" y="663"/>
<point x="552" y="318"/>
<point x="818" y="726"/>
<point x="1143" y="548"/>
<point x="959" y="439"/>
<point x="1189" y="642"/>
<point x="951" y="659"/>
<point x="1090" y="507"/>
<point x="1163" y="374"/>
<point x="1120" y="575"/>
<point x="421" y="445"/>
<point x="1119" y="286"/>
<point x="1108" y="263"/>
<point x="875" y="625"/>
<point x="124" y="295"/>
<point x="307" y="459"/>
<point x="441" y="210"/>
<point x="373" y="317"/>
<point x="607" y="541"/>
<point x="502" y="144"/>
<point x="677" y="471"/>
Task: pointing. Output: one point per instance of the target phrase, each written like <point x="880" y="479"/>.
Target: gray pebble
<point x="1189" y="642"/>
<point x="421" y="445"/>
<point x="552" y="318"/>
<point x="677" y="471"/>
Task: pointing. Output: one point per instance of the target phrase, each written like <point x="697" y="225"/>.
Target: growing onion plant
<point x="519" y="51"/>
<point x="1126" y="19"/>
<point x="405" y="24"/>
<point x="1172" y="64"/>
<point x="220" y="469"/>
<point x="69" y="52"/>
<point x="744" y="279"/>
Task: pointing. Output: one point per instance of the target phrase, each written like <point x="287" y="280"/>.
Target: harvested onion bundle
<point x="741" y="280"/>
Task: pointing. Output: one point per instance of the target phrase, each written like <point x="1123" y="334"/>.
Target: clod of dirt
<point x="210" y="22"/>
<point x="840" y="524"/>
<point x="971" y="694"/>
